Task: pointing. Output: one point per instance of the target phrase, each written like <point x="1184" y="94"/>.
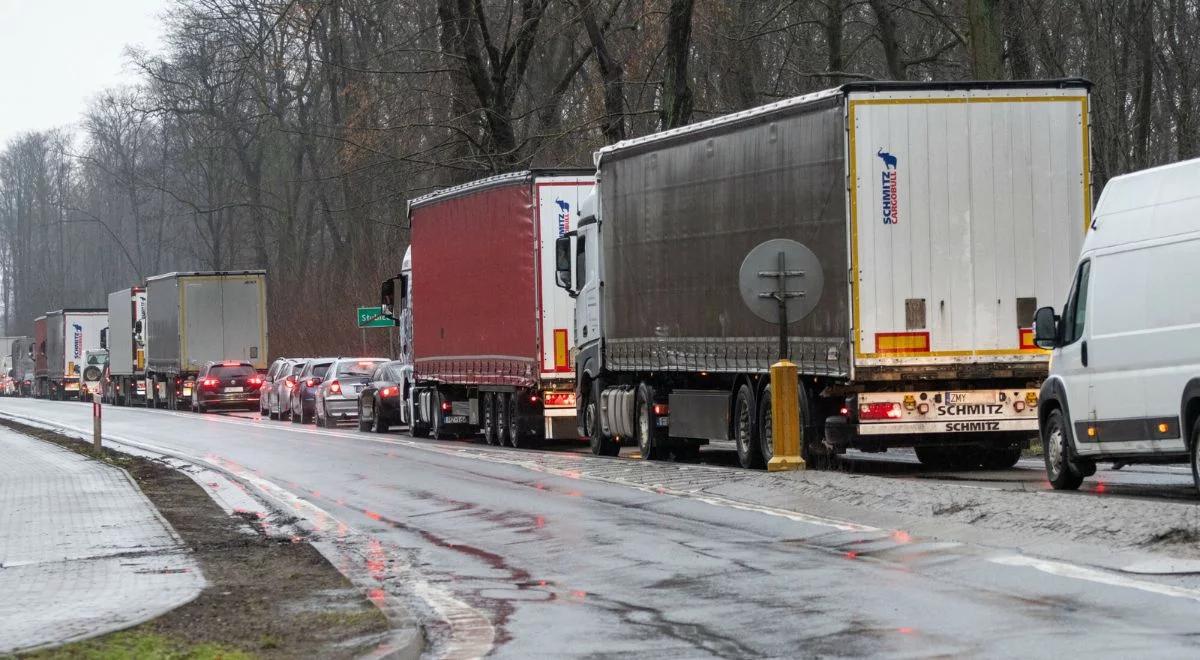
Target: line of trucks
<point x="149" y="344"/>
<point x="604" y="304"/>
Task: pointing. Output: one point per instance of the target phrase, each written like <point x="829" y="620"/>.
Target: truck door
<point x="1071" y="362"/>
<point x="587" y="283"/>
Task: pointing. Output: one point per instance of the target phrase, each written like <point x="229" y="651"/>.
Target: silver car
<point x="337" y="395"/>
<point x="279" y="368"/>
<point x="279" y="396"/>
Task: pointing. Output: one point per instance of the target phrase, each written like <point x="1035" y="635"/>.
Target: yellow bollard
<point x="785" y="419"/>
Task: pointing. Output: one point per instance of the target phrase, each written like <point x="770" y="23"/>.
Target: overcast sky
<point x="57" y="54"/>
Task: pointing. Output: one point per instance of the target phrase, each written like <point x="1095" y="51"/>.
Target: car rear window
<point x="319" y="370"/>
<point x="358" y="368"/>
<point x="231" y="371"/>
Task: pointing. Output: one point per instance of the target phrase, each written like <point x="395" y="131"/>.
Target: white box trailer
<point x="126" y="346"/>
<point x="198" y="317"/>
<point x="70" y="334"/>
<point x="942" y="215"/>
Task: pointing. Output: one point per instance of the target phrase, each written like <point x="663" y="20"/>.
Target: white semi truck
<point x="941" y="215"/>
<point x="70" y="334"/>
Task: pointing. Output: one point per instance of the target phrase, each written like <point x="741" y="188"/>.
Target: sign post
<point x="781" y="281"/>
<point x="96" y="411"/>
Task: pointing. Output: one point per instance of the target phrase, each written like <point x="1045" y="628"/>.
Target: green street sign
<point x="372" y="317"/>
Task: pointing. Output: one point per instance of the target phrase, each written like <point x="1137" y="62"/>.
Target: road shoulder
<point x="268" y="594"/>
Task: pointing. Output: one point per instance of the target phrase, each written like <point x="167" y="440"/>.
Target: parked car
<point x="381" y="402"/>
<point x="302" y="399"/>
<point x="279" y="368"/>
<point x="337" y="397"/>
<point x="280" y="394"/>
<point x="1124" y="382"/>
<point x="228" y="384"/>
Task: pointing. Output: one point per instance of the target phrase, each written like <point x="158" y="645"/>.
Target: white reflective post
<point x="96" y="422"/>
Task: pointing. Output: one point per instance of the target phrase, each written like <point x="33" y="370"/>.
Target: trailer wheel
<point x="747" y="427"/>
<point x="1001" y="458"/>
<point x="489" y="417"/>
<point x="502" y="420"/>
<point x="516" y="430"/>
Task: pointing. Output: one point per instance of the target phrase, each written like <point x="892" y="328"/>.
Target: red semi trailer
<point x="490" y="342"/>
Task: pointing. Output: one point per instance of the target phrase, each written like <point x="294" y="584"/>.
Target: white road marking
<point x="1077" y="572"/>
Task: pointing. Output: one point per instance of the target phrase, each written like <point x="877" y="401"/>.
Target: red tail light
<point x="445" y="406"/>
<point x="254" y="381"/>
<point x="389" y="392"/>
<point x="289" y="382"/>
<point x="661" y="410"/>
<point x="560" y="399"/>
<point x="311" y="382"/>
<point x="880" y="411"/>
<point x="335" y="387"/>
<point x="209" y="383"/>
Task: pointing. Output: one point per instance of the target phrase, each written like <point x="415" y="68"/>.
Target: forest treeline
<point x="289" y="134"/>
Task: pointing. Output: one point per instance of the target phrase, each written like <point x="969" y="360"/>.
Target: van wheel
<point x="647" y="425"/>
<point x="1063" y="475"/>
<point x="1195" y="452"/>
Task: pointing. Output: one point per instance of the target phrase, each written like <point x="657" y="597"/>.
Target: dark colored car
<point x="303" y="400"/>
<point x="230" y="384"/>
<point x="381" y="402"/>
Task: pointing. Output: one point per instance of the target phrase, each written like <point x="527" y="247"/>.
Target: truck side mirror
<point x="104" y="338"/>
<point x="387" y="295"/>
<point x="562" y="262"/>
<point x="403" y="279"/>
<point x="1045" y="328"/>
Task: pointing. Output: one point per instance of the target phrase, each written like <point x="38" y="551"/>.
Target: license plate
<point x="663" y="422"/>
<point x="970" y="397"/>
<point x="456" y="419"/>
<point x="357" y="388"/>
<point x="187" y="391"/>
<point x="233" y="389"/>
<point x="71" y="386"/>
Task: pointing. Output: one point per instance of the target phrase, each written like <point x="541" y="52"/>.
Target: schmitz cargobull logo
<point x="890" y="187"/>
<point x="78" y="340"/>
<point x="564" y="216"/>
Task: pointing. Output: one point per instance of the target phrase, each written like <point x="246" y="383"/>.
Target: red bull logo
<point x="78" y="340"/>
<point x="890" y="188"/>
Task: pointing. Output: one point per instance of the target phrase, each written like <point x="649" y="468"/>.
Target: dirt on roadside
<point x="267" y="597"/>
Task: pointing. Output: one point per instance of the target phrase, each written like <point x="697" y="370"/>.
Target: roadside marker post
<point x="96" y="422"/>
<point x="785" y="419"/>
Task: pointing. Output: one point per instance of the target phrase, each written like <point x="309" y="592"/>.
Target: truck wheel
<point x="502" y="419"/>
<point x="1001" y="458"/>
<point x="517" y="438"/>
<point x="751" y="454"/>
<point x="1062" y="474"/>
<point x="746" y="424"/>
<point x="601" y="446"/>
<point x="649" y="444"/>
<point x="1194" y="450"/>
<point x="489" y="418"/>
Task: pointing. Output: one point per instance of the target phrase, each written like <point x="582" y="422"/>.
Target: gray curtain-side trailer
<point x="941" y="215"/>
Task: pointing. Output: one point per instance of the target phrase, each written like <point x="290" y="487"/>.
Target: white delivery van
<point x="1124" y="382"/>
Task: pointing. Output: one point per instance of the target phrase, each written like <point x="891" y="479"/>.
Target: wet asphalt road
<point x="524" y="554"/>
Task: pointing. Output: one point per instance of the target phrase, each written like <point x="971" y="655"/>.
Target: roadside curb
<point x="406" y="641"/>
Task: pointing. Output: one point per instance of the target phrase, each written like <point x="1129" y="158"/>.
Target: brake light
<point x="210" y="382"/>
<point x="254" y="381"/>
<point x="311" y="382"/>
<point x="389" y="392"/>
<point x="880" y="411"/>
<point x="445" y="406"/>
<point x="335" y="387"/>
<point x="661" y="410"/>
<point x="231" y="363"/>
<point x="563" y="399"/>
<point x="289" y="382"/>
<point x="533" y="398"/>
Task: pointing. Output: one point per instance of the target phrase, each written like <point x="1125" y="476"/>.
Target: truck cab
<point x="395" y="298"/>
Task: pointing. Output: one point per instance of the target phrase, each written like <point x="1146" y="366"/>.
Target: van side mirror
<point x="562" y="262"/>
<point x="1045" y="328"/>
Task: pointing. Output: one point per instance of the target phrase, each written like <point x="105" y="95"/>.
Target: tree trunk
<point x="677" y="99"/>
<point x="885" y="24"/>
